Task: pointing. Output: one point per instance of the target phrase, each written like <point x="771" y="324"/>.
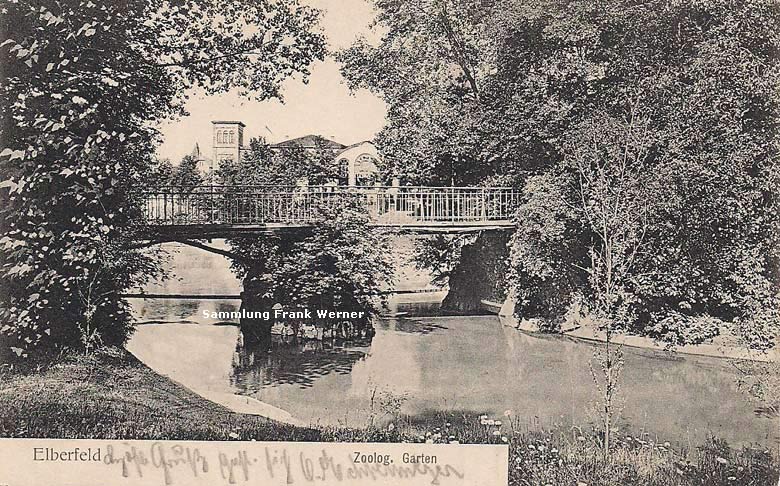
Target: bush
<point x="341" y="264"/>
<point x="680" y="329"/>
<point x="759" y="331"/>
<point x="719" y="465"/>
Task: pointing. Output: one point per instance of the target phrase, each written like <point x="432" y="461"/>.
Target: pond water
<point x="426" y="365"/>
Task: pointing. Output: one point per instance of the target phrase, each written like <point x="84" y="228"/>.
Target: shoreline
<point x="110" y="394"/>
<point x="589" y="334"/>
<point x="248" y="406"/>
<point x="592" y="336"/>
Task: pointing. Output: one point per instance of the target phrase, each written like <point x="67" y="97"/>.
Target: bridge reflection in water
<point x="225" y="209"/>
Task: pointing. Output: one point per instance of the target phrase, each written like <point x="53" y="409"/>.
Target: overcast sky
<point x="324" y="106"/>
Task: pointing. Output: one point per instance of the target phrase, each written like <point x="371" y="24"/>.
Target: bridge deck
<point x="218" y="211"/>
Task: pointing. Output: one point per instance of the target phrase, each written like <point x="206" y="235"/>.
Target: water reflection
<point x="478" y="365"/>
<point x="411" y="326"/>
<point x="156" y="311"/>
<point x="160" y="311"/>
<point x="461" y="365"/>
<point x="281" y="361"/>
<point x="467" y="365"/>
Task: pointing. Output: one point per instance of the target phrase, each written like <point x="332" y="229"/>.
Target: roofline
<point x="277" y="147"/>
<point x="294" y="142"/>
<point x="232" y="122"/>
<point x="360" y="143"/>
<point x="356" y="144"/>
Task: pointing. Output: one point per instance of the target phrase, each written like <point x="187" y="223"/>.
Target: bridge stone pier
<point x="480" y="275"/>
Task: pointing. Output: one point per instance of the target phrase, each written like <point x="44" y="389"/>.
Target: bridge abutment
<point x="480" y="275"/>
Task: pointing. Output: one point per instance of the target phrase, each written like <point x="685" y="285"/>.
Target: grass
<point x="111" y="395"/>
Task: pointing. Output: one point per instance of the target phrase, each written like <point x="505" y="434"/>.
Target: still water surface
<point x="464" y="364"/>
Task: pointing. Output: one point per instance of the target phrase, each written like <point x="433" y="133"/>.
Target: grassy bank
<point x="112" y="395"/>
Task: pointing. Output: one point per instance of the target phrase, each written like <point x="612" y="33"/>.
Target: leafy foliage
<point x="517" y="92"/>
<point x="542" y="247"/>
<point x="704" y="223"/>
<point x="703" y="78"/>
<point x="279" y="167"/>
<point x="680" y="329"/>
<point x="83" y="84"/>
<point x="184" y="175"/>
<point x="440" y="254"/>
<point x="341" y="264"/>
<point x="428" y="68"/>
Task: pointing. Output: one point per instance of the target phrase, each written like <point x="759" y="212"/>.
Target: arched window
<point x="366" y="160"/>
<point x="365" y="170"/>
<point x="219" y="136"/>
<point x="231" y="136"/>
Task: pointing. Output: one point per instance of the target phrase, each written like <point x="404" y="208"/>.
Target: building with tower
<point x="357" y="163"/>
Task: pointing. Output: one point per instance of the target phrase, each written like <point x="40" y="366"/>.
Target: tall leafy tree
<point x="428" y="68"/>
<point x="501" y="91"/>
<point x="187" y="173"/>
<point x="704" y="75"/>
<point x="339" y="263"/>
<point x="83" y="85"/>
<point x="478" y="92"/>
<point x="184" y="175"/>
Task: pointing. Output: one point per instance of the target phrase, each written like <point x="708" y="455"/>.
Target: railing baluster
<point x="298" y="205"/>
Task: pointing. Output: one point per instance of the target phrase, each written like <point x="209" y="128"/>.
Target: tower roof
<point x="228" y="122"/>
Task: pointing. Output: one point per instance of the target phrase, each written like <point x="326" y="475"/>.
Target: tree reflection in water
<point x="286" y="360"/>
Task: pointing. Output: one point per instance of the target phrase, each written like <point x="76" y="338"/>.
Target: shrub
<point x="679" y="329"/>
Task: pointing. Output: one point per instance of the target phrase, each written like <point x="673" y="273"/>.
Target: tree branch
<point x="458" y="49"/>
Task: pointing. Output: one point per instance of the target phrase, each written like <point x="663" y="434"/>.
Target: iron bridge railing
<point x="299" y="205"/>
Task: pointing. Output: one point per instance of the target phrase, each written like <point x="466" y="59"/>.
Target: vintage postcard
<point x="403" y="242"/>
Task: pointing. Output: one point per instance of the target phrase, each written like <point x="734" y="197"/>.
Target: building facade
<point x="357" y="164"/>
<point x="228" y="140"/>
